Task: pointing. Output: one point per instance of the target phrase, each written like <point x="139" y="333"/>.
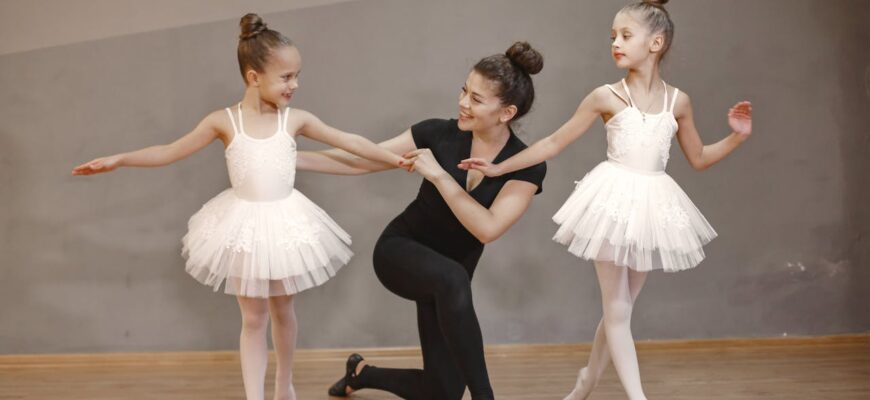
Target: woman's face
<point x="480" y="108"/>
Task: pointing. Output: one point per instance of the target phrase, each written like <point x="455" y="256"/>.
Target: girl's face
<point x="480" y="108"/>
<point x="631" y="42"/>
<point x="280" y="76"/>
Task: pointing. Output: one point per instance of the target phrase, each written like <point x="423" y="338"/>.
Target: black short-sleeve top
<point x="428" y="217"/>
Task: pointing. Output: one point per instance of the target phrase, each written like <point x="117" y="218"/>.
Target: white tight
<point x="254" y="349"/>
<point x="620" y="287"/>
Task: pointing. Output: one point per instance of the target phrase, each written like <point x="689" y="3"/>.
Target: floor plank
<point x="771" y="369"/>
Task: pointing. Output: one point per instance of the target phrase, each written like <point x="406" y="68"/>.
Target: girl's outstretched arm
<point x="702" y="156"/>
<point x="340" y="162"/>
<point x="590" y="108"/>
<point x="313" y="128"/>
<point x="157" y="156"/>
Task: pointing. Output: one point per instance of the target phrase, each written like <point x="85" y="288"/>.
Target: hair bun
<point x="523" y="55"/>
<point x="656" y="3"/>
<point x="251" y="25"/>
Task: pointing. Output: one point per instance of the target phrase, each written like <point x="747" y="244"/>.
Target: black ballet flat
<point x="339" y="389"/>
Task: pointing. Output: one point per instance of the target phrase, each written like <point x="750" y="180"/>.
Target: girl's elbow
<point x="700" y="166"/>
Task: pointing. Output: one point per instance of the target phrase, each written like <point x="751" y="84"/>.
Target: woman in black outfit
<point x="429" y="252"/>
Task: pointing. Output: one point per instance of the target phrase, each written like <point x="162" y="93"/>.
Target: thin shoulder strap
<point x="625" y="86"/>
<point x="665" y="97"/>
<point x="232" y="121"/>
<point x="286" y="117"/>
<point x="618" y="95"/>
<point x="280" y="120"/>
<point x="241" y="124"/>
<point x="674" y="100"/>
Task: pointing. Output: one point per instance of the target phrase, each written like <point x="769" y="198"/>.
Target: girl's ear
<point x="252" y="77"/>
<point x="657" y="44"/>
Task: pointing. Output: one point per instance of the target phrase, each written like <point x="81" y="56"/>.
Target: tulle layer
<point x="264" y="248"/>
<point x="637" y="219"/>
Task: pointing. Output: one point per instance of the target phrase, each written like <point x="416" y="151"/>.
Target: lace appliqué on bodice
<point x="640" y="140"/>
<point x="274" y="154"/>
<point x="632" y="134"/>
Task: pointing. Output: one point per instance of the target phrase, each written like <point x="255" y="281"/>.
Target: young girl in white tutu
<point x="627" y="214"/>
<point x="263" y="239"/>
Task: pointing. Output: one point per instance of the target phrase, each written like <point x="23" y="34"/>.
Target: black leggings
<point x="449" y="332"/>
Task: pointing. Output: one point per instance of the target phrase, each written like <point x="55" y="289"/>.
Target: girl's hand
<point x="406" y="164"/>
<point x="422" y="161"/>
<point x="99" y="165"/>
<point x="740" y="119"/>
<point x="489" y="169"/>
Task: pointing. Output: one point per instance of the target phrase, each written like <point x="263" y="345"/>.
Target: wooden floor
<point x="772" y="369"/>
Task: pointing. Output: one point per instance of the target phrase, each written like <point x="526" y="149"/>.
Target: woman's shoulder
<point x="436" y="124"/>
<point x="431" y="131"/>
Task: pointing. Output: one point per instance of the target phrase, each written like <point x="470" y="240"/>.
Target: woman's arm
<point x="157" y="156"/>
<point x="589" y="109"/>
<point x="312" y="127"/>
<point x="486" y="224"/>
<point x="700" y="156"/>
<point x="340" y="162"/>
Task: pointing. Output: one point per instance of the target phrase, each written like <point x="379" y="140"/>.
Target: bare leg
<point x="599" y="357"/>
<point x="252" y="345"/>
<point x="284" y="340"/>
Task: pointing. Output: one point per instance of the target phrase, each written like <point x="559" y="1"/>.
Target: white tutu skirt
<point x="263" y="249"/>
<point x="636" y="219"/>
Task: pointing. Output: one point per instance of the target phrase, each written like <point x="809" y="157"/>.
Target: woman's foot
<point x="583" y="387"/>
<point x="347" y="384"/>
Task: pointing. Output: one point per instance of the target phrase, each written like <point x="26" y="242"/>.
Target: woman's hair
<point x="512" y="72"/>
<point x="652" y="13"/>
<point x="256" y="42"/>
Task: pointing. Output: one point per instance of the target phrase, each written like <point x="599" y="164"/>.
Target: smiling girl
<point x="262" y="238"/>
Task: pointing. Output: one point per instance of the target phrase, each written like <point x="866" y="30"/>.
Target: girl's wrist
<point x="738" y="137"/>
<point x="397" y="160"/>
<point x="497" y="169"/>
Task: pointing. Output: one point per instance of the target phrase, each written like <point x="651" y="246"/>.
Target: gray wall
<point x="93" y="264"/>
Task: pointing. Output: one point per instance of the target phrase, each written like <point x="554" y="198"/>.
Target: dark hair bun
<point x="523" y="55"/>
<point x="251" y="25"/>
<point x="656" y="3"/>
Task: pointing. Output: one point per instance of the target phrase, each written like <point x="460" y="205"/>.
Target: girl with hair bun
<point x="262" y="239"/>
<point x="429" y="252"/>
<point x="627" y="215"/>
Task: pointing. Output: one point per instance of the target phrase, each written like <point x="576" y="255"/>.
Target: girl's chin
<point x="622" y="64"/>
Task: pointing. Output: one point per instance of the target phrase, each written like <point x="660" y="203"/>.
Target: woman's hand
<point x="99" y="165"/>
<point x="424" y="162"/>
<point x="487" y="168"/>
<point x="740" y="119"/>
